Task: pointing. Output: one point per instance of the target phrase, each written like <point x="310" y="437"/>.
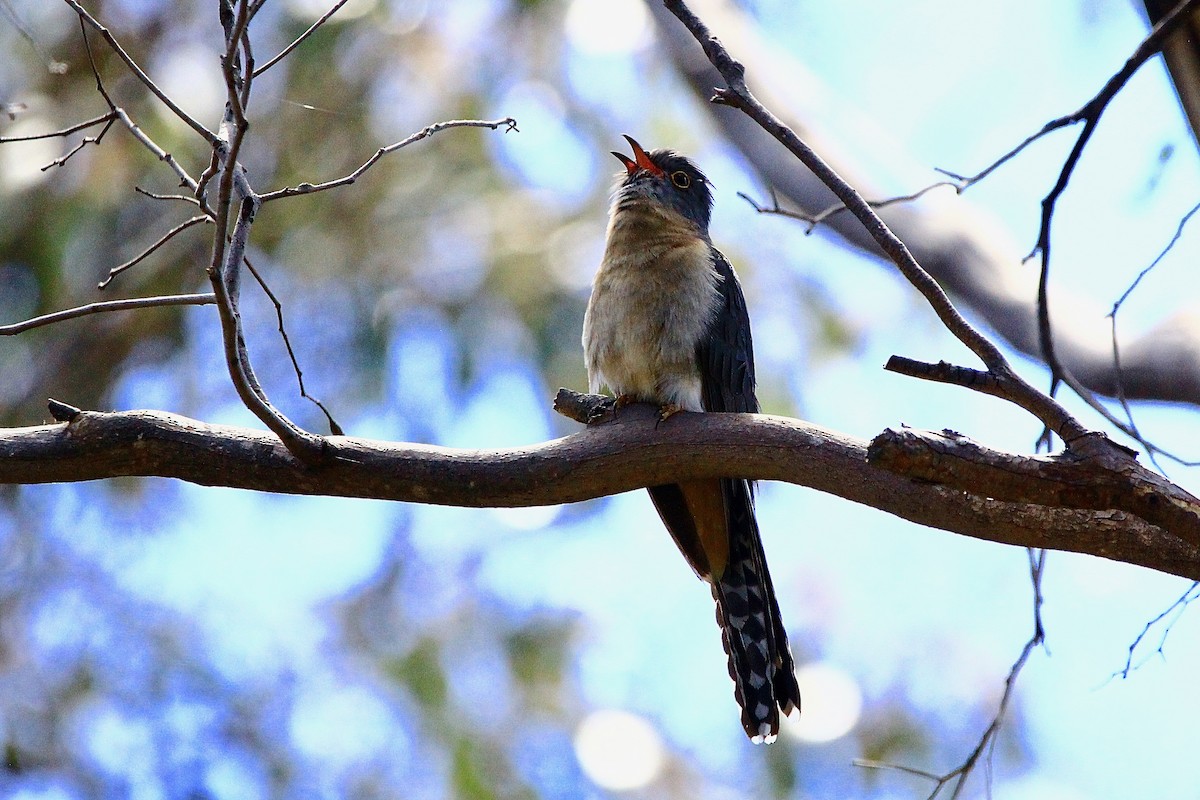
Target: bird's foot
<point x="666" y="411"/>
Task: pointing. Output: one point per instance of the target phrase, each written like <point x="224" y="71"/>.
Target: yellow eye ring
<point x="681" y="179"/>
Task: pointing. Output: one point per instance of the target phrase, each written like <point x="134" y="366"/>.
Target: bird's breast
<point x="652" y="301"/>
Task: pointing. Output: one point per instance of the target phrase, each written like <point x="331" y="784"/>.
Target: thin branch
<point x="334" y="427"/>
<point x="108" y="305"/>
<point x="156" y="196"/>
<point x="130" y="125"/>
<point x="84" y="142"/>
<point x="985" y="748"/>
<point x="1146" y="271"/>
<point x="91" y="123"/>
<point x="166" y="237"/>
<point x="737" y="95"/>
<point x="945" y="372"/>
<point x="300" y="39"/>
<point x="814" y="220"/>
<point x="1177" y="608"/>
<point x="208" y="135"/>
<point x="987" y="383"/>
<point x="988" y="740"/>
<point x="1151" y="448"/>
<point x="508" y="123"/>
<point x="224" y="269"/>
<point x="1089" y="114"/>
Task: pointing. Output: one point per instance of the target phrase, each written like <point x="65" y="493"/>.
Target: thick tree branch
<point x="631" y="452"/>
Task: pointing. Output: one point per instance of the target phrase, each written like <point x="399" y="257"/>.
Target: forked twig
<point x="133" y="66"/>
<point x="508" y="123"/>
<point x="737" y="95"/>
<point x="1187" y="598"/>
<point x="91" y="123"/>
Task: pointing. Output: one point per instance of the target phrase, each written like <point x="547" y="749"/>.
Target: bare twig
<point x="334" y="427"/>
<point x="107" y="305"/>
<point x="1151" y="448"/>
<point x="737" y="95"/>
<point x="814" y="220"/>
<point x="1090" y="115"/>
<point x="162" y="155"/>
<point x="225" y="266"/>
<point x="985" y="748"/>
<point x="208" y="135"/>
<point x="300" y="39"/>
<point x="508" y="123"/>
<point x="84" y="142"/>
<point x="166" y="237"/>
<point x="945" y="372"/>
<point x="307" y="447"/>
<point x="91" y="123"/>
<point x="157" y="196"/>
<point x="1177" y="608"/>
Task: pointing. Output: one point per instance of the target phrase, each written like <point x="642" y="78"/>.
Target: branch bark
<point x="628" y="453"/>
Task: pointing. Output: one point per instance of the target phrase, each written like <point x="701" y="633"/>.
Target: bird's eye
<point x="681" y="179"/>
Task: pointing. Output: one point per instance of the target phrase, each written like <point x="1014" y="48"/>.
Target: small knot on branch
<point x="62" y="412"/>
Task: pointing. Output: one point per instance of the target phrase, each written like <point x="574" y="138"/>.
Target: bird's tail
<point x="760" y="661"/>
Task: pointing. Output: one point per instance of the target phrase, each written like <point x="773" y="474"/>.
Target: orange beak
<point x="640" y="159"/>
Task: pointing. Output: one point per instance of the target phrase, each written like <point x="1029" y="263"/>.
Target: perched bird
<point x="667" y="324"/>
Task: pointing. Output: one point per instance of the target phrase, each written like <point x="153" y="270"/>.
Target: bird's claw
<point x="666" y="411"/>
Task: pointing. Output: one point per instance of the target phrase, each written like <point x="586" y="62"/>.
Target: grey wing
<point x="726" y="353"/>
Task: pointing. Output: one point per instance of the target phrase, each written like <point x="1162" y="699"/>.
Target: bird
<point x="667" y="324"/>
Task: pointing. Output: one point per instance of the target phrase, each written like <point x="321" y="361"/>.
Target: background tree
<point x="169" y="639"/>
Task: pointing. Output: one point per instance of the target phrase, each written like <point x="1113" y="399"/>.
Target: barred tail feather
<point x="760" y="661"/>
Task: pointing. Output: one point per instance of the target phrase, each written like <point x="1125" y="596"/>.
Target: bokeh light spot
<point x="618" y="750"/>
<point x="831" y="704"/>
<point x="608" y="26"/>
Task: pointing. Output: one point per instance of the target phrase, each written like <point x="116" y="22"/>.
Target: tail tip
<point x="765" y="734"/>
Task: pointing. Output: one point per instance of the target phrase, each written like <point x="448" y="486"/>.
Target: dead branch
<point x="508" y="123"/>
<point x="146" y="253"/>
<point x="955" y="241"/>
<point x="737" y="95"/>
<point x="108" y="305"/>
<point x="282" y="54"/>
<point x="133" y="66"/>
<point x="1090" y="115"/>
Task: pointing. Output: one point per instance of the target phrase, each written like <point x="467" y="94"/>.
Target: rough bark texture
<point x="632" y="451"/>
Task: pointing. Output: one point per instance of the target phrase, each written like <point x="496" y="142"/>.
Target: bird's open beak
<point x="639" y="161"/>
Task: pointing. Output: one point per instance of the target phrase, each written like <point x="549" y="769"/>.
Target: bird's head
<point x="665" y="178"/>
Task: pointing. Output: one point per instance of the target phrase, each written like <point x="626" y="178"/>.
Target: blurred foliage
<point x="450" y="238"/>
